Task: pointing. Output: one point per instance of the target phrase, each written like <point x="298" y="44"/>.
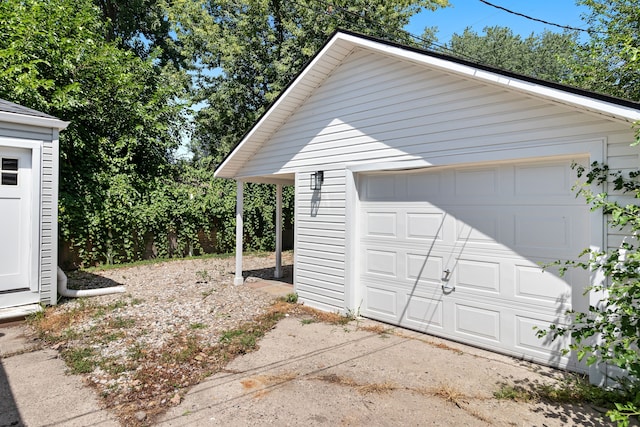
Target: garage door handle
<point x="445" y="279"/>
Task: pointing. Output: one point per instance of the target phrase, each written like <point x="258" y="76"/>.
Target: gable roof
<point x="15" y="113"/>
<point x="342" y="43"/>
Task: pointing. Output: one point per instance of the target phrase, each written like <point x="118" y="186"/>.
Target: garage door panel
<point x="479" y="229"/>
<point x="541" y="230"/>
<point x="475" y="275"/>
<point x="380" y="187"/>
<point x="380" y="262"/>
<point x="479" y="322"/>
<point x="543" y="350"/>
<point x="381" y="224"/>
<point x="424" y="226"/>
<point x="381" y="302"/>
<point x="477" y="183"/>
<point x="424" y="268"/>
<point x="546" y="180"/>
<point x="423" y="313"/>
<point x="542" y="288"/>
<point x="419" y="188"/>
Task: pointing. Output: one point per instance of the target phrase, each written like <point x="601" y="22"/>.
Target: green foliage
<point x="80" y="360"/>
<point x="610" y="331"/>
<point x="610" y="59"/>
<point x="246" y="53"/>
<point x="609" y="62"/>
<point x="546" y="56"/>
<point x="291" y="298"/>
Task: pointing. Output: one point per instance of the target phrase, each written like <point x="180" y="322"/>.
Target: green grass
<point x="80" y="360"/>
<point x="198" y="325"/>
<point x="573" y="389"/>
<point x="103" y="267"/>
<point x="121" y="323"/>
<point x="291" y="298"/>
<point x="136" y="352"/>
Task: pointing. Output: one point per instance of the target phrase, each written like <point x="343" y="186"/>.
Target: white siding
<point x="49" y="227"/>
<point x="374" y="108"/>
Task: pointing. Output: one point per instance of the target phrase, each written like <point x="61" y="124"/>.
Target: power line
<point x="565" y="27"/>
<point x="384" y="32"/>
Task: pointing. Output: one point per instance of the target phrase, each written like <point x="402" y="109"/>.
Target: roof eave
<point x="23" y="119"/>
<point x="617" y="109"/>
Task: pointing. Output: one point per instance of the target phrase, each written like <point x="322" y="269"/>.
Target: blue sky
<point x="475" y="14"/>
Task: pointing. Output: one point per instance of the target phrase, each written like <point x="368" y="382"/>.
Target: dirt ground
<point x="312" y="373"/>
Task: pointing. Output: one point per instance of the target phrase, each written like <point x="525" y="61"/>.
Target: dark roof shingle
<point x="10" y="107"/>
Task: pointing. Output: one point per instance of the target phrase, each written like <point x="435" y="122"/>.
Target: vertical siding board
<point x="46" y="215"/>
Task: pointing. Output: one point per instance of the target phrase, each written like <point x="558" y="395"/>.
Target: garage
<point x="456" y="252"/>
<point x="429" y="190"/>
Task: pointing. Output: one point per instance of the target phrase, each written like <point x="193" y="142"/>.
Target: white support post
<point x="278" y="271"/>
<point x="239" y="280"/>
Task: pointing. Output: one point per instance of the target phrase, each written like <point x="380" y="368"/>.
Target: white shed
<point x="28" y="208"/>
<point x="444" y="185"/>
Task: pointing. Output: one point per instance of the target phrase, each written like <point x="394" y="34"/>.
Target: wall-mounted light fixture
<point x="317" y="178"/>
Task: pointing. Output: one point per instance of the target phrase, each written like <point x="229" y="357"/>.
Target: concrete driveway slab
<point x="320" y="374"/>
<point x="37" y="391"/>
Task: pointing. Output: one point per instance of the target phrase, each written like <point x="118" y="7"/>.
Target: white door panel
<point x="15" y="219"/>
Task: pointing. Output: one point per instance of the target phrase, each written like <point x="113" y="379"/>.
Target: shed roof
<point x="16" y="113"/>
<point x="342" y="43"/>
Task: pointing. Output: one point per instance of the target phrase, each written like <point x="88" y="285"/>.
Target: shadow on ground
<point x="268" y="274"/>
<point x="9" y="413"/>
<point x="84" y="280"/>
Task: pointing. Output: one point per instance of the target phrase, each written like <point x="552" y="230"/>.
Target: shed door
<point x="455" y="252"/>
<point x="16" y="237"/>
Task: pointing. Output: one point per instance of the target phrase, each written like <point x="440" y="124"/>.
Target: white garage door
<point x="455" y="252"/>
<point x="16" y="263"/>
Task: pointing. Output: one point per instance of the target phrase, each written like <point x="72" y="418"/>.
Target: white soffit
<point x="342" y="44"/>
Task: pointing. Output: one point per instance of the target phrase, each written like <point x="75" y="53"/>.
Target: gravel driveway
<point x="305" y="372"/>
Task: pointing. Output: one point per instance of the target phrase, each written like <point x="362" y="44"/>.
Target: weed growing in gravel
<point x="197" y="325"/>
<point x="136" y="352"/>
<point x="207" y="293"/>
<point x="80" y="360"/>
<point x="203" y="276"/>
<point x="121" y="323"/>
<point x="117" y="304"/>
<point x="291" y="298"/>
<point x="112" y="336"/>
<point x="112" y="366"/>
<point x="308" y="321"/>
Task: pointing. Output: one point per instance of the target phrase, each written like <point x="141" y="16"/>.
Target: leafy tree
<point x="139" y="25"/>
<point x="122" y="108"/>
<point x="546" y="56"/>
<point x="610" y="60"/>
<point x="245" y="53"/>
